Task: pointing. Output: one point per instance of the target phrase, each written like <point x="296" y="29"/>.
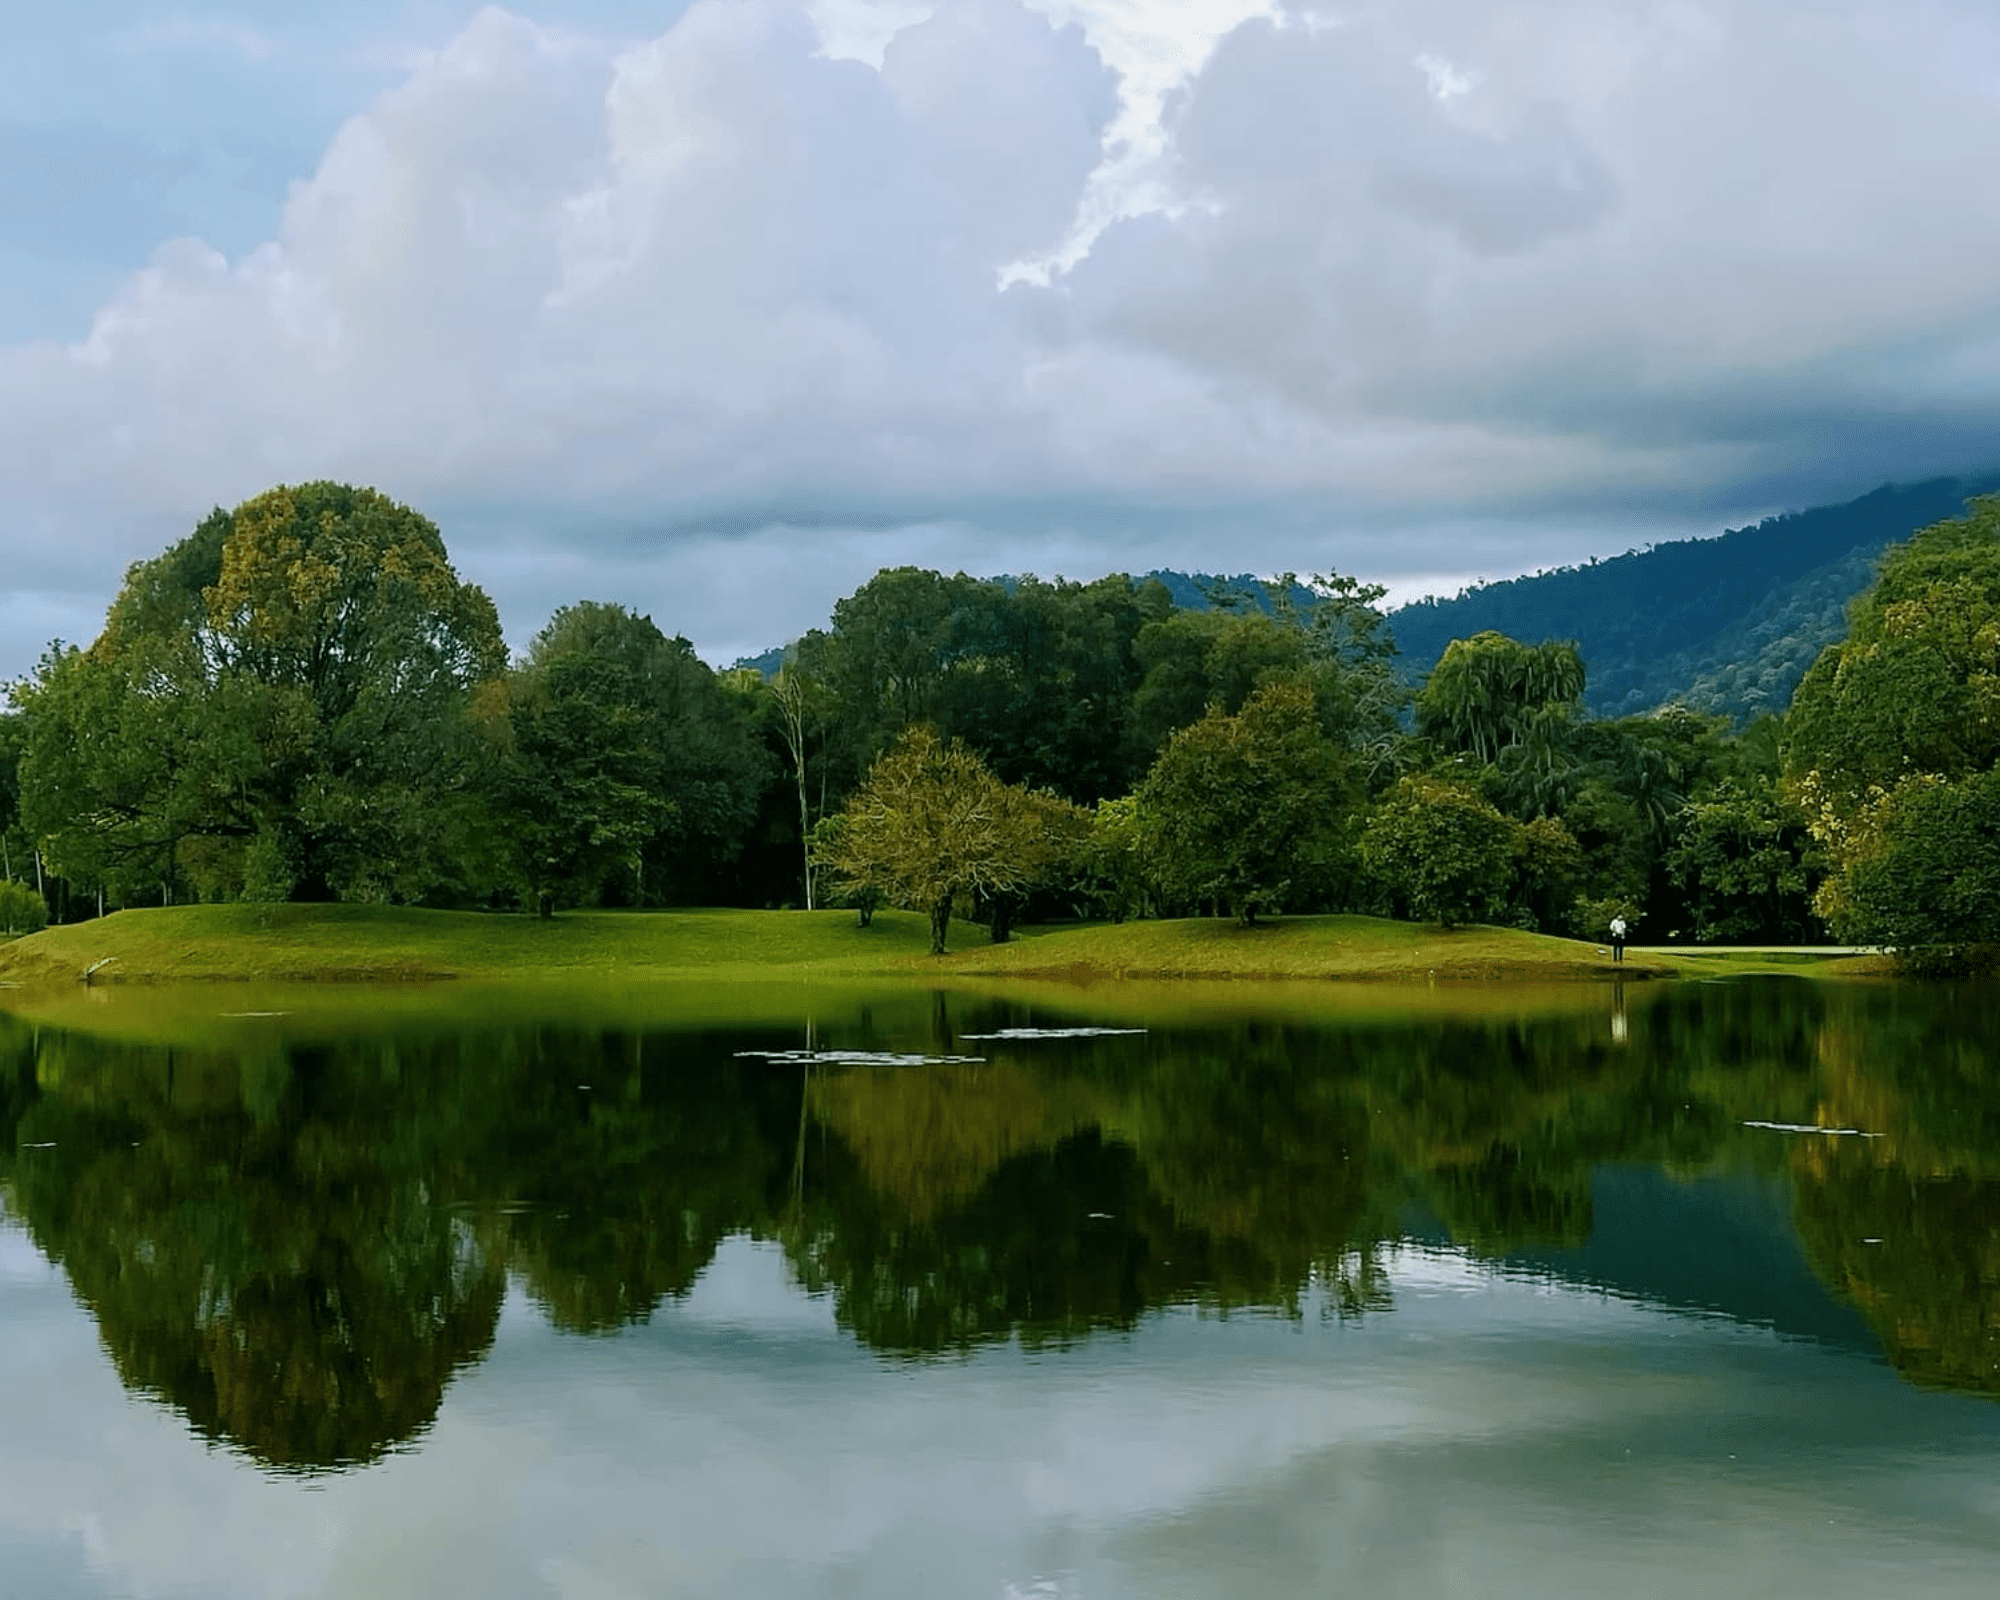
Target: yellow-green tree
<point x="931" y="825"/>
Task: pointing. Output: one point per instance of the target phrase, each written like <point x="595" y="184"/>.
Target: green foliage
<point x="801" y="705"/>
<point x="932" y="825"/>
<point x="1894" y="734"/>
<point x="1195" y="660"/>
<point x="1328" y="632"/>
<point x="1592" y="915"/>
<point x="1927" y="878"/>
<point x="1550" y="872"/>
<point x="1488" y="692"/>
<point x="1441" y="853"/>
<point x="21" y="909"/>
<point x="1742" y="858"/>
<point x="1114" y="858"/>
<point x="678" y="759"/>
<point x="294" y="673"/>
<point x="575" y="775"/>
<point x="1248" y="811"/>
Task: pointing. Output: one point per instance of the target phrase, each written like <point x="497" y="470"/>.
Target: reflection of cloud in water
<point x="749" y="1286"/>
<point x="1416" y="1454"/>
<point x="1422" y="1267"/>
<point x="20" y="1261"/>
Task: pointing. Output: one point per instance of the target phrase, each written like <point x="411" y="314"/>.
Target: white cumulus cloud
<point x="1435" y="286"/>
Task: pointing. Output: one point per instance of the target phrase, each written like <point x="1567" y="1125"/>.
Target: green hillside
<point x="1726" y="624"/>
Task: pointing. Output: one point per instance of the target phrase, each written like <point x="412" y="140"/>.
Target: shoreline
<point x="353" y="945"/>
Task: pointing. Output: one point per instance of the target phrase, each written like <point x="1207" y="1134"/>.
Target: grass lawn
<point x="348" y="943"/>
<point x="387" y="943"/>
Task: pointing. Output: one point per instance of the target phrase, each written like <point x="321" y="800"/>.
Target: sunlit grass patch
<point x="355" y="943"/>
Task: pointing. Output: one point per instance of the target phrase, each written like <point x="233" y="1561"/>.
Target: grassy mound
<point x="348" y="943"/>
<point x="390" y="943"/>
<point x="1293" y="947"/>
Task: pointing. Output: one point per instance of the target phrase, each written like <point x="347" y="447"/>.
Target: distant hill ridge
<point x="1726" y="624"/>
<point x="1723" y="624"/>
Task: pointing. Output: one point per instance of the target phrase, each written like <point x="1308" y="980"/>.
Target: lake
<point x="1208" y="1290"/>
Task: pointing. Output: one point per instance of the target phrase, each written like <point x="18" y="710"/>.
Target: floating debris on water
<point x="855" y="1058"/>
<point x="1808" y="1127"/>
<point x="1051" y="1033"/>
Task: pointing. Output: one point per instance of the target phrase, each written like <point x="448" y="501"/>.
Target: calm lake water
<point x="1441" y="1294"/>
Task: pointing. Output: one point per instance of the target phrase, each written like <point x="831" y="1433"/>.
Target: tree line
<point x="303" y="700"/>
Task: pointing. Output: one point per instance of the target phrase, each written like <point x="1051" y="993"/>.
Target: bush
<point x="1591" y="919"/>
<point x="1440" y="853"/>
<point x="21" y="909"/>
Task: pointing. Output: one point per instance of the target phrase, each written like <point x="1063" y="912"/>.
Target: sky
<point x="714" y="309"/>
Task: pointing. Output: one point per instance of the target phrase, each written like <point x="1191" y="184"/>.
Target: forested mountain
<point x="1726" y="624"/>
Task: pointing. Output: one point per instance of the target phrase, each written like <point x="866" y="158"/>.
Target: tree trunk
<point x="545" y="903"/>
<point x="940" y="920"/>
<point x="1001" y="928"/>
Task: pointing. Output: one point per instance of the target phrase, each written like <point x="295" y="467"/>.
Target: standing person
<point x="1617" y="938"/>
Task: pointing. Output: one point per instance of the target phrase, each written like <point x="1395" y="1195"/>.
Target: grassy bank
<point x="284" y="943"/>
<point x="351" y="943"/>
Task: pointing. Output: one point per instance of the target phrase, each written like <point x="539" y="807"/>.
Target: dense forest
<point x="1726" y="624"/>
<point x="302" y="700"/>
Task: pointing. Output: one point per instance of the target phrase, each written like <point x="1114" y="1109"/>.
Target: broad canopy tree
<point x="276" y="708"/>
<point x="1490" y="692"/>
<point x="1893" y="741"/>
<point x="1444" y="855"/>
<point x="670" y="730"/>
<point x="574" y="776"/>
<point x="1248" y="810"/>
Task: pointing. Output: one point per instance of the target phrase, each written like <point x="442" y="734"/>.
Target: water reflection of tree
<point x="622" y="1190"/>
<point x="298" y="1248"/>
<point x="1906" y="1225"/>
<point x="268" y="1274"/>
<point x="1917" y="1253"/>
<point x="1052" y="1196"/>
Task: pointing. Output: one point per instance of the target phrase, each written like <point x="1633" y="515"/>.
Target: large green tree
<point x="575" y="781"/>
<point x="693" y="743"/>
<point x="1743" y="860"/>
<point x="1442" y="853"/>
<point x="1894" y="735"/>
<point x="1249" y="811"/>
<point x="276" y="707"/>
<point x="1490" y="692"/>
